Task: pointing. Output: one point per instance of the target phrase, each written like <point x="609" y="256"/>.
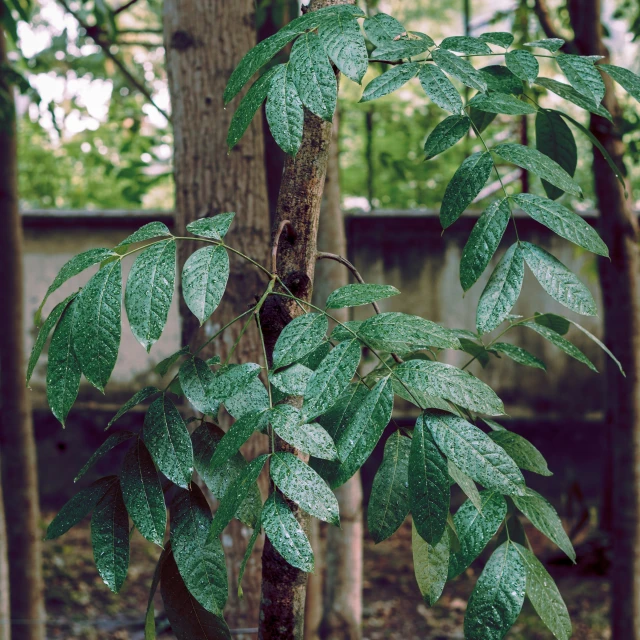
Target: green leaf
<point x="43" y="334"/>
<point x="601" y="344"/>
<point x="301" y="484"/>
<point x="205" y="439"/>
<point x="545" y="518"/>
<point x="146" y="232"/>
<point x="139" y="397"/>
<point x="466" y="44"/>
<point x="550" y="44"/>
<point x="200" y="560"/>
<point x="76" y="265"/>
<point x="498" y="596"/>
<point x="215" y="227"/>
<point x="536" y="162"/>
<point x="583" y="76"/>
<point x="232" y="379"/>
<point x="428" y="485"/>
<point x="392" y="50"/>
<point x="430" y="565"/>
<point x="570" y="94"/>
<point x="308" y="438"/>
<point x="150" y="290"/>
<point x="449" y="382"/>
<point x="474" y="453"/>
<point x="500" y="79"/>
<point x="150" y="619"/>
<point x="545" y="596"/>
<point x="204" y="279"/>
<point x="446" y="134"/>
<point x="356" y="442"/>
<point x="389" y="500"/>
<point x="110" y="538"/>
<point x="523" y="64"/>
<point x="164" y="365"/>
<point x="63" y="369"/>
<point x="501" y="38"/>
<point x="466" y="184"/>
<point x="396" y="332"/>
<point x="389" y="81"/>
<point x="79" y="507"/>
<point x="560" y="283"/>
<point x="465" y="483"/>
<point x="251" y="397"/>
<point x="519" y="355"/>
<point x="560" y="342"/>
<point x="239" y="432"/>
<point x="286" y="535"/>
<point x="167" y="439"/>
<point x="439" y="88"/>
<point x="196" y="379"/>
<point x="330" y="379"/>
<point x="345" y="330"/>
<point x="475" y="527"/>
<point x="300" y="337"/>
<point x="381" y="28"/>
<point x="554" y="139"/>
<point x="553" y="321"/>
<point x="189" y="620"/>
<point x="502" y="290"/>
<point x="293" y="380"/>
<point x="500" y="103"/>
<point x="110" y="443"/>
<point x="142" y="493"/>
<point x="248" y="107"/>
<point x="355" y="295"/>
<point x="313" y="76"/>
<point x="483" y="242"/>
<point x="247" y="554"/>
<point x="460" y="69"/>
<point x="97" y="325"/>
<point x="493" y="424"/>
<point x="628" y="80"/>
<point x="236" y="494"/>
<point x="284" y="111"/>
<point x="344" y="43"/>
<point x="522" y="452"/>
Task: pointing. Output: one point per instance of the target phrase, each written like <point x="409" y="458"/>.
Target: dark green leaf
<point x="293" y="380"/>
<point x="139" y="397"/>
<point x="430" y="565"/>
<point x="215" y="227"/>
<point x="300" y="337"/>
<point x="523" y="453"/>
<point x="428" y="485"/>
<point x="550" y="44"/>
<point x="466" y="484"/>
<point x="498" y="596"/>
<point x="308" y="438"/>
<point x="164" y="365"/>
<point x="389" y="500"/>
<point x="284" y="111"/>
<point x="466" y="44"/>
<point x="247" y="554"/>
<point x="286" y="534"/>
<point x="500" y="103"/>
<point x="355" y="295"/>
<point x="146" y="232"/>
<point x="500" y="79"/>
<point x="569" y="93"/>
<point x="460" y="69"/>
<point x="466" y="184"/>
<point x="481" y="119"/>
<point x="483" y="242"/>
<point x="196" y="379"/>
<point x="251" y="397"/>
<point x="204" y="279"/>
<point x="232" y="379"/>
<point x="142" y="493"/>
<point x="523" y="64"/>
<point x="446" y="134"/>
<point x="393" y="50"/>
<point x="439" y="88"/>
<point x="110" y="538"/>
<point x="344" y="43"/>
<point x="628" y="80"/>
<point x="239" y="432"/>
<point x="110" y="443"/>
<point x="601" y="344"/>
<point x="519" y="355"/>
<point x="389" y="81"/>
<point x="553" y="321"/>
<point x="560" y="283"/>
<point x="560" y="342"/>
<point x="583" y="76"/>
<point x="167" y="439"/>
<point x="501" y="38"/>
<point x="150" y="619"/>
<point x="97" y="324"/>
<point x="346" y="330"/>
<point x="381" y="28"/>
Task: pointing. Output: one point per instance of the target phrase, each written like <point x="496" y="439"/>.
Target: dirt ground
<point x="79" y="605"/>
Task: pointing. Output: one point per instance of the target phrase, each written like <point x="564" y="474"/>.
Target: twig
<point x="105" y="46"/>
<point x="124" y="7"/>
<point x="291" y="237"/>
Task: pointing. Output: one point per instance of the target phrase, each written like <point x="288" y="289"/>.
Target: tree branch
<point x="541" y="10"/>
<point x="291" y="236"/>
<point x="98" y="38"/>
<point x="124" y="7"/>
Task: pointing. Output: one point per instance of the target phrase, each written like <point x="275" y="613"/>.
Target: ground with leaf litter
<point x="79" y="605"/>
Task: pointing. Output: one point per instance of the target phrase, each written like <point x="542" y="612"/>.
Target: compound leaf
<point x="215" y="227"/>
<point x="583" y="76"/>
<point x="521" y="451"/>
<point x="446" y="134"/>
<point x="139" y="397"/>
<point x="430" y="565"/>
<point x="459" y="68"/>
<point x="439" y="88"/>
<point x="344" y="43"/>
<point x="284" y="111"/>
<point x="355" y="295"/>
<point x="523" y="64"/>
<point x="299" y="338"/>
<point x="389" y="81"/>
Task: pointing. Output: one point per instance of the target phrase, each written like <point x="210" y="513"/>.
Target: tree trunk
<point x="204" y="41"/>
<point x="620" y="286"/>
<point x="5" y="604"/>
<point x="19" y="465"/>
<point x="283" y="586"/>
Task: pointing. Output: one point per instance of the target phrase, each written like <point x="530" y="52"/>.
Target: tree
<point x="619" y="278"/>
<point x="209" y="181"/>
<point x="19" y="466"/>
<point x="322" y="417"/>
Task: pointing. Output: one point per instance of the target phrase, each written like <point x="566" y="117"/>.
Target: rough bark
<point x="19" y="466"/>
<point x="620" y="286"/>
<point x="204" y="41"/>
<point x="284" y="587"/>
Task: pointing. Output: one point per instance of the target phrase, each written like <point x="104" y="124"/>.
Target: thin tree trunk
<point x="620" y="286"/>
<point x="5" y="604"/>
<point x="19" y="464"/>
<point x="283" y="586"/>
<point x="204" y="41"/>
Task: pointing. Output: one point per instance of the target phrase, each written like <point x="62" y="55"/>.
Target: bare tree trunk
<point x="19" y="464"/>
<point x="5" y="604"/>
<point x="620" y="286"/>
<point x="204" y="41"/>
